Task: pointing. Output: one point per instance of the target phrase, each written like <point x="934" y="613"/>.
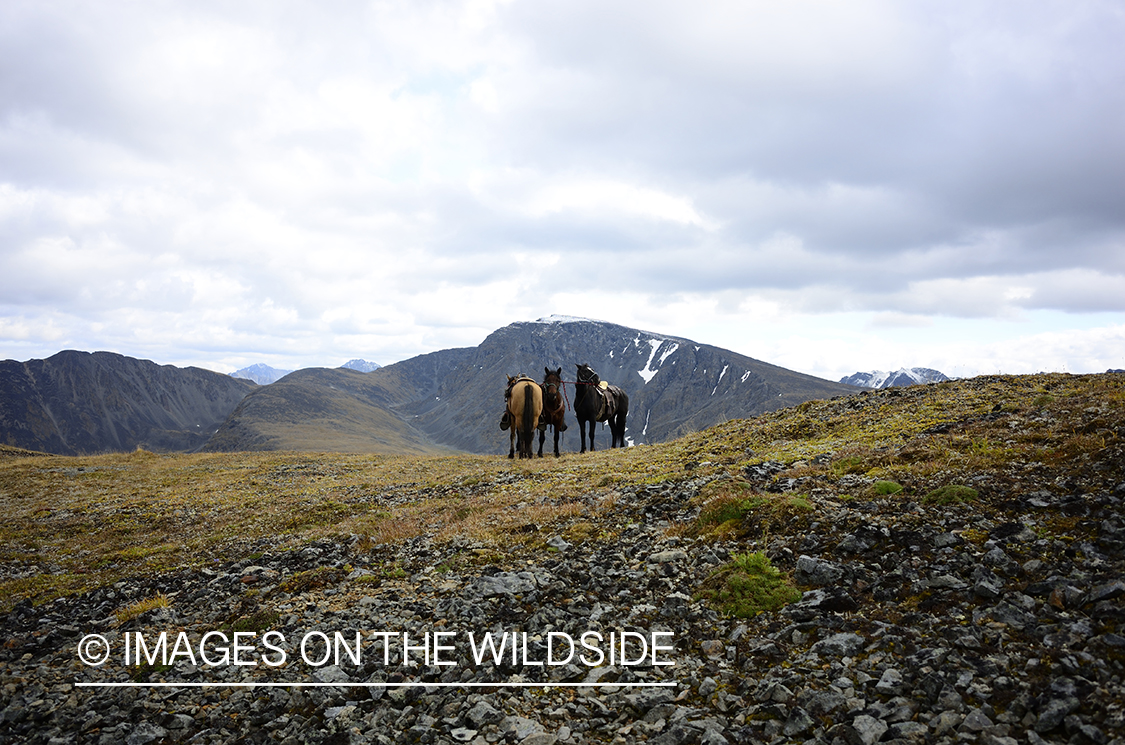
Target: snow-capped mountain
<point x="361" y="365"/>
<point x="899" y="378"/>
<point x="260" y="373"/>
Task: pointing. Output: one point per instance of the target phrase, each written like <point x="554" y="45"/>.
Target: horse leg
<point x="512" y="443"/>
<point x="593" y="426"/>
<point x="542" y="437"/>
<point x="556" y="442"/>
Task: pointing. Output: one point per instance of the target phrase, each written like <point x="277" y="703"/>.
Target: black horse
<point x="595" y="401"/>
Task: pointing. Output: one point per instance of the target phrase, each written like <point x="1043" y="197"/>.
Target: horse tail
<point x="529" y="419"/>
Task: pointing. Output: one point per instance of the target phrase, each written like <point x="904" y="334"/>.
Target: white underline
<point x="376" y="685"/>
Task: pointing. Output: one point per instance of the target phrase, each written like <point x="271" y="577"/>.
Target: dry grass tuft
<point x="129" y="612"/>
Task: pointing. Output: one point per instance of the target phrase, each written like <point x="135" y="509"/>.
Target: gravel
<point x="918" y="624"/>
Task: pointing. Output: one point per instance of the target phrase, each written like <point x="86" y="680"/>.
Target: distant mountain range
<point x="445" y="401"/>
<point x="899" y="378"/>
<point x="263" y="374"/>
<point x="75" y="403"/>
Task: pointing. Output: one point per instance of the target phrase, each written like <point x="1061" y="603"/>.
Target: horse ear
<point x="546" y="370"/>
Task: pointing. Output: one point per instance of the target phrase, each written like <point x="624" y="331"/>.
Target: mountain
<point x="361" y="365"/>
<point x="318" y="409"/>
<point x="260" y="374"/>
<point x="76" y="403"/>
<point x="897" y="379"/>
<point x="454" y="398"/>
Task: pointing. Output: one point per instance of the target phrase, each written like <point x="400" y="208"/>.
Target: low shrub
<point x="749" y="585"/>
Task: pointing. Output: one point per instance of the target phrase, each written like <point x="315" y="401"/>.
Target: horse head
<point x="552" y="380"/>
<point x="587" y="375"/>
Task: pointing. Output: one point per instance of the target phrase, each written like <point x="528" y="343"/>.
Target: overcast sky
<point x="827" y="186"/>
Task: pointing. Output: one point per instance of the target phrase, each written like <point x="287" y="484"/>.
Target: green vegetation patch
<point x="313" y="579"/>
<point x="258" y="621"/>
<point x="951" y="494"/>
<point x="749" y="585"/>
<point x="727" y="502"/>
<point x="886" y="488"/>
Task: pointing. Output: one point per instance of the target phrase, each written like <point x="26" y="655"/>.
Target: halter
<point x="562" y="385"/>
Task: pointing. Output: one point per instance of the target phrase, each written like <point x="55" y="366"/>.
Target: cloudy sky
<point x="828" y="186"/>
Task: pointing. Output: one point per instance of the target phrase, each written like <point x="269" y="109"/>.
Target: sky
<point x="826" y="186"/>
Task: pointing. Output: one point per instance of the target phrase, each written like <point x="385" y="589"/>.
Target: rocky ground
<point x="999" y="620"/>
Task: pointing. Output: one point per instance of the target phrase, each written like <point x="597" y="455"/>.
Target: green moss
<point x="951" y="494"/>
<point x="257" y="622"/>
<point x="886" y="488"/>
<point x="749" y="585"/>
<point x="311" y="580"/>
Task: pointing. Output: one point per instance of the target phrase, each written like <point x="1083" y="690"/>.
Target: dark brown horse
<point x="595" y="401"/>
<point x="525" y="404"/>
<point x="554" y="409"/>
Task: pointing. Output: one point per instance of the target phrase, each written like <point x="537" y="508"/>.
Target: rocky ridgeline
<point x="918" y="625"/>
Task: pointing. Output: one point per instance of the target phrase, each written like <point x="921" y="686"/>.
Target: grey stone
<point x="868" y="729"/>
<point x="484" y="713"/>
<point x="817" y="573"/>
<point x="975" y="721"/>
<point x="799" y="722"/>
<point x="665" y="557"/>
<point x="144" y="733"/>
<point x="945" y="722"/>
<point x="891" y="682"/>
<point x="331" y="674"/>
<point x="540" y="738"/>
<point x="520" y="727"/>
<point x="1054" y="712"/>
<point x="840" y="645"/>
<point x="505" y="583"/>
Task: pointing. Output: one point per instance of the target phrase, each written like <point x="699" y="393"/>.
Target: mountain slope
<point x="80" y="403"/>
<point x="454" y="398"/>
<point x="318" y="409"/>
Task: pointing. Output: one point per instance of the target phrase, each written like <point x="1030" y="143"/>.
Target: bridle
<point x="561" y="384"/>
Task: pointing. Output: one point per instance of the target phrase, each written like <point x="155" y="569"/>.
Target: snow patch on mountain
<point x="648" y="372"/>
<point x="720" y="380"/>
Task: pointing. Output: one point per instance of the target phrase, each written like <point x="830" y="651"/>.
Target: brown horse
<point x="525" y="404"/>
<point x="554" y="410"/>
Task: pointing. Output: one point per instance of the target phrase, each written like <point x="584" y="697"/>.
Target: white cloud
<point x="320" y="182"/>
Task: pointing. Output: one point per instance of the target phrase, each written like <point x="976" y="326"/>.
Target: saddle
<point x="512" y="384"/>
<point x="608" y="396"/>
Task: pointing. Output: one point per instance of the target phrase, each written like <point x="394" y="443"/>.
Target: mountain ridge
<point x="454" y="398"/>
<point x="904" y="376"/>
<point x="76" y="403"/>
